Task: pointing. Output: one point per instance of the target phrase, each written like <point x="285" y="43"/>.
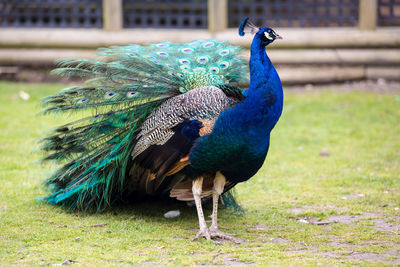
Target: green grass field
<point x="328" y="194"/>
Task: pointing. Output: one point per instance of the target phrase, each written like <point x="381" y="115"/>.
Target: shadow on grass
<point x="149" y="208"/>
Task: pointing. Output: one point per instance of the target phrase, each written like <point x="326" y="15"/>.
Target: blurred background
<point x="325" y="41"/>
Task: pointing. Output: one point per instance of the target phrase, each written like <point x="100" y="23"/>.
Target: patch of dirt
<point x="342" y="244"/>
<point x="382" y="225"/>
<point x="302" y="250"/>
<point x="362" y="256"/>
<point x="391" y="256"/>
<point x="195" y="254"/>
<point x="344" y="218"/>
<point x="329" y="254"/>
<point x="229" y="261"/>
<point x="353" y="196"/>
<point x="367" y="256"/>
<point x="234" y="261"/>
<point x="376" y="242"/>
<point x="260" y="227"/>
<point x="350" y="219"/>
<point x="314" y="208"/>
<point x="279" y="240"/>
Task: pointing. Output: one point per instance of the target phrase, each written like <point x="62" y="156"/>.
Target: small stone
<point x="324" y="153"/>
<point x="24" y="95"/>
<point x="303" y="221"/>
<point x="172" y="214"/>
<point x="68" y="262"/>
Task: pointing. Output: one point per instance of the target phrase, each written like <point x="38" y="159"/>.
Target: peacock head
<point x="267" y="35"/>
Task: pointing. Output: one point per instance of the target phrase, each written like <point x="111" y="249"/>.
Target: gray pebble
<point x="172" y="214"/>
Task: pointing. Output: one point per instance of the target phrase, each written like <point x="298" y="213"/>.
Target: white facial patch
<point x="269" y="37"/>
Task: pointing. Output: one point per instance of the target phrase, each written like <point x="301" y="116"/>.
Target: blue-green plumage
<point x="163" y="115"/>
<point x="239" y="142"/>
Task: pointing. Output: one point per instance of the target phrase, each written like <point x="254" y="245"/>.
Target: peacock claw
<point x="204" y="232"/>
<point x="215" y="233"/>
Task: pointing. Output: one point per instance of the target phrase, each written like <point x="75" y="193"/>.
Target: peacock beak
<point x="278" y="37"/>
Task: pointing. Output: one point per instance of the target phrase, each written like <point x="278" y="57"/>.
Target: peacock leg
<point x="197" y="189"/>
<point x="219" y="184"/>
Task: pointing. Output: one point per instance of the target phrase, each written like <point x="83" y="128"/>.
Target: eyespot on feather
<point x="184" y="61"/>
<point x="162" y="45"/>
<point x="208" y="44"/>
<point x="202" y="59"/>
<point x="187" y="50"/>
<point x="131" y="94"/>
<point x="224" y="52"/>
<point x="214" y="70"/>
<point x="83" y="100"/>
<point x="162" y="53"/>
<point x="224" y="65"/>
<point x="109" y="95"/>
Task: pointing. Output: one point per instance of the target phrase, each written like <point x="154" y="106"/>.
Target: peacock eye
<point x="224" y="64"/>
<point x="214" y="70"/>
<point x="162" y="53"/>
<point x="110" y="95"/>
<point x="187" y="50"/>
<point x="82" y="101"/>
<point x="130" y="94"/>
<point x="184" y="61"/>
<point x="224" y="52"/>
<point x="268" y="36"/>
<point x="202" y="59"/>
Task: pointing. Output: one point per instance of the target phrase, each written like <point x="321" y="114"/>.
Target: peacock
<point x="163" y="119"/>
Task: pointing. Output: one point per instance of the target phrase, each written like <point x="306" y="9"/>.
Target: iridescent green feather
<point x="124" y="85"/>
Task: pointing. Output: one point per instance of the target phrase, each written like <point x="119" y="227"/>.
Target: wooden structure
<point x="323" y="41"/>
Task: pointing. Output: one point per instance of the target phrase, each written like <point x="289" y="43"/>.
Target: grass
<point x="332" y="155"/>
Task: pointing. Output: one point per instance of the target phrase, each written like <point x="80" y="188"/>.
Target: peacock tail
<point x="124" y="85"/>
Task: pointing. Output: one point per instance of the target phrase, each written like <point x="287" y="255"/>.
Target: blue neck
<point x="264" y="96"/>
<point x="261" y="67"/>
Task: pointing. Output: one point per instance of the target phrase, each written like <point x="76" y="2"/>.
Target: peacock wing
<point x="169" y="133"/>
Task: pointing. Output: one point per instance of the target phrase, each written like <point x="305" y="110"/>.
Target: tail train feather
<point x="124" y="85"/>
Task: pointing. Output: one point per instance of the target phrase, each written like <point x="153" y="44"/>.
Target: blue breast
<point x="240" y="138"/>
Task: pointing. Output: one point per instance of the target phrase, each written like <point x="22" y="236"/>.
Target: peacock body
<point x="166" y="119"/>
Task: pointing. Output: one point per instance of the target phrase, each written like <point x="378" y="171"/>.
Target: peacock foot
<point x="215" y="233"/>
<point x="203" y="232"/>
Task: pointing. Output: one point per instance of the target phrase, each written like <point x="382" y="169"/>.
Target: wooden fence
<point x="214" y="15"/>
